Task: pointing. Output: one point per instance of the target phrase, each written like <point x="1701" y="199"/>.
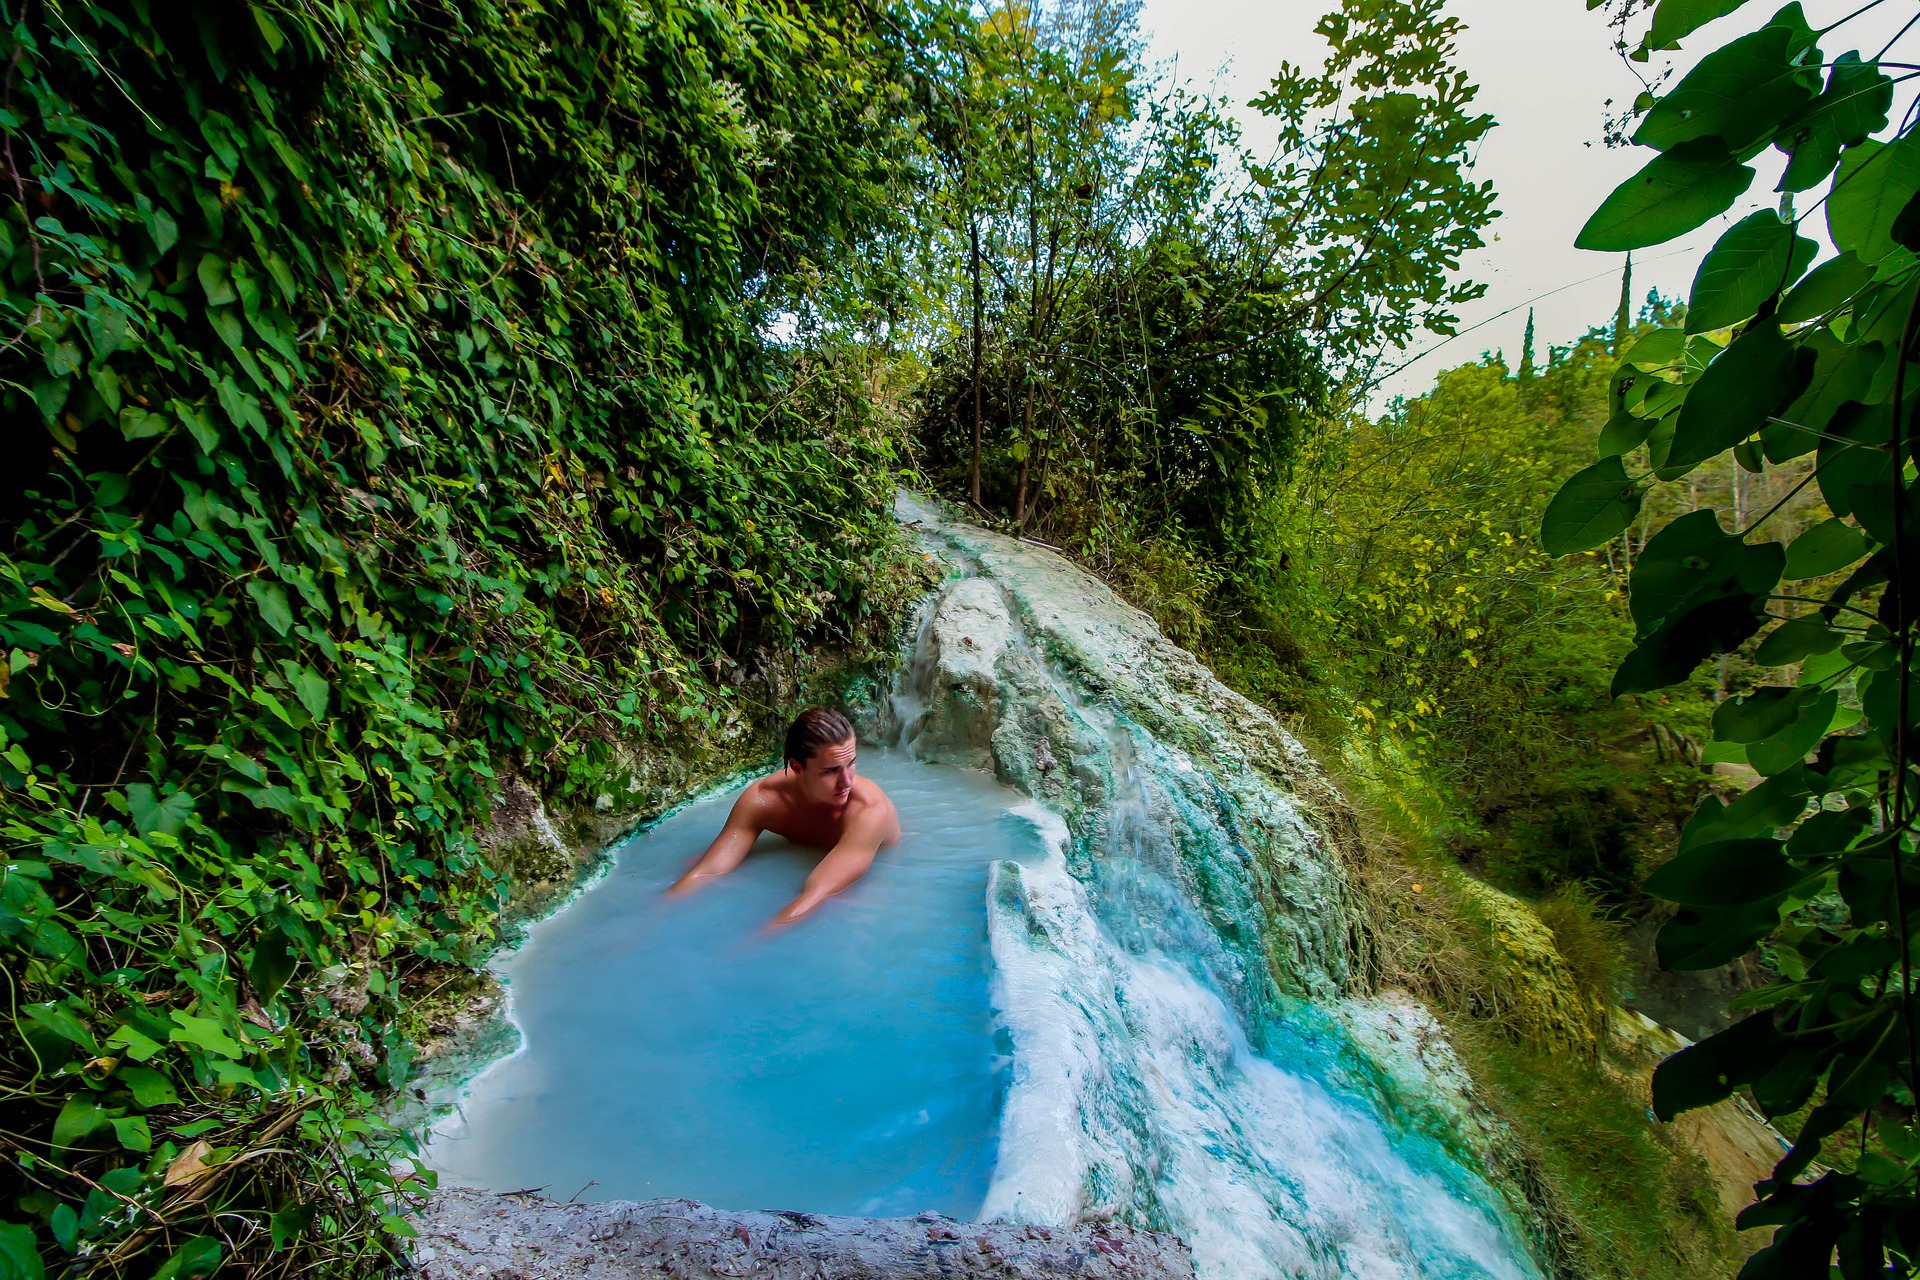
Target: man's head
<point x="820" y="751"/>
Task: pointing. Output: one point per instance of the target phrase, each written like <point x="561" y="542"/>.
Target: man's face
<point x="827" y="778"/>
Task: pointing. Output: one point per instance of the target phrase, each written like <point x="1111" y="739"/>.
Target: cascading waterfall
<point x="1172" y="974"/>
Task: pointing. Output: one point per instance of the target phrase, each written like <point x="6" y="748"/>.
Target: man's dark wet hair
<point x="814" y="728"/>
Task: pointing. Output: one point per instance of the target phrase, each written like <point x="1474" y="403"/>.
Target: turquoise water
<point x="671" y="1048"/>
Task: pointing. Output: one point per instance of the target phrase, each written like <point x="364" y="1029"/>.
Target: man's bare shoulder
<point x="870" y="805"/>
<point x="764" y="796"/>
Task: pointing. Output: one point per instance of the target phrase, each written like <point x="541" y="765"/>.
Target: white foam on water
<point x="1135" y="1093"/>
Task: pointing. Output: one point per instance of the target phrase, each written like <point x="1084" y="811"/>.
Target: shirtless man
<point x="815" y="799"/>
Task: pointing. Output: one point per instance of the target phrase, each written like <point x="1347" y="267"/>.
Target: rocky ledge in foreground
<point x="477" y="1235"/>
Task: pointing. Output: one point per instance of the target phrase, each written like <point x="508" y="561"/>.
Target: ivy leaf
<point x="272" y="964"/>
<point x="19" y="1254"/>
<point x="1739" y="93"/>
<point x="1591" y="509"/>
<point x="80" y="1117"/>
<point x="135" y="1043"/>
<point x="312" y="690"/>
<point x="197" y="1258"/>
<point x="206" y="1033"/>
<point x="1852" y="108"/>
<point x="149" y="1088"/>
<point x="151" y="813"/>
<point x="272" y="599"/>
<point x="1672" y="195"/>
<point x="1708" y="1072"/>
<point x="1747" y="384"/>
<point x="198" y="424"/>
<point x="1757" y="258"/>
<point x="140" y="424"/>
<point x="212" y="273"/>
<point x="161" y="228"/>
<point x="1874" y="183"/>
<point x="133" y="1133"/>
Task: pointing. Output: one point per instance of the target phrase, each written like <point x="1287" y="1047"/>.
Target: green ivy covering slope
<point x="386" y="402"/>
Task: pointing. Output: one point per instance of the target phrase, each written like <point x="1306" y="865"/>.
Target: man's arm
<point x="845" y="863"/>
<point x="729" y="849"/>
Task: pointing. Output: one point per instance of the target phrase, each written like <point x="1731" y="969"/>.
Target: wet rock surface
<point x="477" y="1235"/>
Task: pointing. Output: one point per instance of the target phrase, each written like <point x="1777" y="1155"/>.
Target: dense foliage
<point x="389" y="407"/>
<point x="1135" y="320"/>
<point x="1785" y="368"/>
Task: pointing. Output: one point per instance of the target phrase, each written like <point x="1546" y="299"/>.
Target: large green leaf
<point x="1829" y="286"/>
<point x="1852" y="108"/>
<point x="1591" y="509"/>
<point x="1689" y="551"/>
<point x="1676" y="19"/>
<point x="1708" y="937"/>
<point x="1672" y="195"/>
<point x="1853" y="457"/>
<point x="1757" y="715"/>
<point x="1693" y="559"/>
<point x="1725" y="873"/>
<point x="1874" y="183"/>
<point x="1749" y="383"/>
<point x="1843" y="372"/>
<point x="1794" y="640"/>
<point x="1775" y="803"/>
<point x="1623" y="433"/>
<point x="1788" y="747"/>
<point x="1679" y="645"/>
<point x="1739" y="93"/>
<point x="149" y="1088"/>
<point x="1708" y="1072"/>
<point x="1757" y="258"/>
<point x="1657" y="350"/>
<point x="1828" y="547"/>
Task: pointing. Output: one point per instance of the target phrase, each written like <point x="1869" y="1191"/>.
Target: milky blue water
<point x="671" y="1047"/>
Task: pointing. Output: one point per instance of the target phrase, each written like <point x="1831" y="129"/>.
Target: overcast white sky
<point x="1545" y="70"/>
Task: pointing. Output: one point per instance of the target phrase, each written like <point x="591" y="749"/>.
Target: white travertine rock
<point x="477" y="1235"/>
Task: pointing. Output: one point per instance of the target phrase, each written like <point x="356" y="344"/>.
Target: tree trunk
<point x="973" y="232"/>
<point x="1026" y="460"/>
